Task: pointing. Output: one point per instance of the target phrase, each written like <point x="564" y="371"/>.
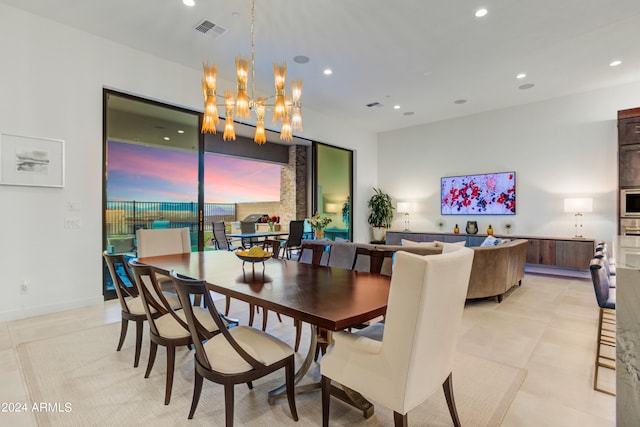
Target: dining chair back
<point x="317" y="251"/>
<point x="220" y="238"/>
<point x="376" y="258"/>
<point x="272" y="246"/>
<point x="424" y="313"/>
<point x="237" y="355"/>
<point x="130" y="302"/>
<point x="163" y="241"/>
<point x="294" y="240"/>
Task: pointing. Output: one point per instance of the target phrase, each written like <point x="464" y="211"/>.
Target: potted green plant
<point x="381" y="214"/>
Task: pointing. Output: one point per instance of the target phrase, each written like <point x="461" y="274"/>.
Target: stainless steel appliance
<point x="630" y="226"/>
<point x="630" y="203"/>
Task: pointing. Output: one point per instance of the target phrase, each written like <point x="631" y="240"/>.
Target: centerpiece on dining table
<point x="319" y="223"/>
<point x="253" y="255"/>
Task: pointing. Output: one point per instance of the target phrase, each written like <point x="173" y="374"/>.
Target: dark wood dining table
<point x="330" y="298"/>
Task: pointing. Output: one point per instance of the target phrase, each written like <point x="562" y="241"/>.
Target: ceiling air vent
<point x="374" y="104"/>
<point x="209" y="28"/>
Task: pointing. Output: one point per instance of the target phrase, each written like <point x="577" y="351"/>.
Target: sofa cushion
<point x="405" y="242"/>
<point x="490" y="241"/>
<point x="440" y="244"/>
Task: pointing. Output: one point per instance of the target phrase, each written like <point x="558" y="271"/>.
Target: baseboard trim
<point x="24" y="312"/>
<point x="557" y="271"/>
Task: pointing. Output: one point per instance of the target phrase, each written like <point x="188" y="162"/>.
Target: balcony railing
<point x="125" y="217"/>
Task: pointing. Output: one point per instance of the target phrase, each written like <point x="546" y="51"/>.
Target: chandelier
<point x="285" y="110"/>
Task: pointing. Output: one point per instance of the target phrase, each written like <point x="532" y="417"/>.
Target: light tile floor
<point x="547" y="326"/>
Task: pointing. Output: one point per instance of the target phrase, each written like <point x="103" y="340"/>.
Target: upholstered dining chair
<point x="606" y="336"/>
<point x="424" y="313"/>
<point x="164" y="241"/>
<point x="237" y="355"/>
<point x="130" y="302"/>
<point x="376" y="258"/>
<point x="170" y="329"/>
<point x="318" y="251"/>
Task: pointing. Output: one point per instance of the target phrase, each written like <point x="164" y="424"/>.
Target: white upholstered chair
<point x="167" y="241"/>
<point x="156" y="242"/>
<point x="415" y="355"/>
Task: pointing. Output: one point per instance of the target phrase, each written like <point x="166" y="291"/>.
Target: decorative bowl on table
<point x="253" y="255"/>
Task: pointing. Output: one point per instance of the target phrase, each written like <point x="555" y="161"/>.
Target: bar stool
<point x="606" y="298"/>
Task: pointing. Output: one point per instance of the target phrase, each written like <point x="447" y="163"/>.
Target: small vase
<point x="271" y="227"/>
<point x="319" y="234"/>
<point x="472" y="227"/>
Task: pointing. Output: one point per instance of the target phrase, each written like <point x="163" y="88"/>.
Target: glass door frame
<point x="110" y="293"/>
<point x="315" y="202"/>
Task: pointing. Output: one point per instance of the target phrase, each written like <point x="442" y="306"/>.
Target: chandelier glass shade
<point x="287" y="111"/>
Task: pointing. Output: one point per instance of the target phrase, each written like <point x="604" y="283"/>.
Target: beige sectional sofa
<point x="495" y="270"/>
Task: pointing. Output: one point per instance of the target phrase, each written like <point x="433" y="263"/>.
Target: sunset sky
<point x="150" y="174"/>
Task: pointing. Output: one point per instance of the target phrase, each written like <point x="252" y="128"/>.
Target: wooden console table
<point x="564" y="252"/>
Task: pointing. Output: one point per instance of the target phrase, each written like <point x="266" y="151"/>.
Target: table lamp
<point x="578" y="205"/>
<point x="405" y="207"/>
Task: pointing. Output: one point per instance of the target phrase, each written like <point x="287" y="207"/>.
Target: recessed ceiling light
<point x="300" y="59"/>
<point x="526" y="86"/>
<point x="166" y="138"/>
<point x="327" y="71"/>
<point x="180" y="131"/>
<point x="189" y="2"/>
<point x="521" y="76"/>
<point x="396" y="107"/>
<point x="460" y="101"/>
<point x="481" y="12"/>
<point x="615" y="63"/>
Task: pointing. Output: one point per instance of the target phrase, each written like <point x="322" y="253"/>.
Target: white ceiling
<point x="420" y="54"/>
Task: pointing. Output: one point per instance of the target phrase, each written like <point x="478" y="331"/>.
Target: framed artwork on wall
<point x="31" y="161"/>
<point x="483" y="194"/>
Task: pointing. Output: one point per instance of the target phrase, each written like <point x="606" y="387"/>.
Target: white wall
<point x="565" y="147"/>
<point x="51" y="84"/>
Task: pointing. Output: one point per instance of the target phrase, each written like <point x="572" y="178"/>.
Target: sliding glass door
<point x="151" y="172"/>
<point x="333" y="189"/>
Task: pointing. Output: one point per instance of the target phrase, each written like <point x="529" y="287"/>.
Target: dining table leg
<point x="343" y="393"/>
<point x="281" y="391"/>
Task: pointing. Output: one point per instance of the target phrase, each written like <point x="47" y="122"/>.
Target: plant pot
<point x="379" y="233"/>
<point x="319" y="234"/>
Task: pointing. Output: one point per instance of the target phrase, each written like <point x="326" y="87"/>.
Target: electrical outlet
<point x="24" y="287"/>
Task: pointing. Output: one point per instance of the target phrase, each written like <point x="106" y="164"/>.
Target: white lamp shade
<point x="578" y="204"/>
<point x="332" y="207"/>
<point x="404" y="207"/>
